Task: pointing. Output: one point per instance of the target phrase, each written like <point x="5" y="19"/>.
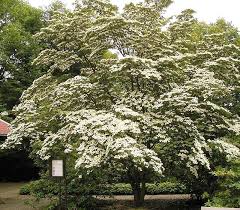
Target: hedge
<point x="49" y="187"/>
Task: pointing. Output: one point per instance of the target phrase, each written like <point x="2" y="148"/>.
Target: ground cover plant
<point x="165" y="105"/>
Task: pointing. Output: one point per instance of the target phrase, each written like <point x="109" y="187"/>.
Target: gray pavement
<point x="147" y="197"/>
<point x="216" y="208"/>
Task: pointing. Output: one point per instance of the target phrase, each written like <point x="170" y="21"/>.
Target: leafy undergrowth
<point x="45" y="187"/>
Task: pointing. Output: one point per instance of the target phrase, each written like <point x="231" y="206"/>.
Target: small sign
<point x="57" y="168"/>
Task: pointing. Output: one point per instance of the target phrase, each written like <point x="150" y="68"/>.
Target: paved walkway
<point x="212" y="208"/>
<point x="9" y="194"/>
<point x="147" y="197"/>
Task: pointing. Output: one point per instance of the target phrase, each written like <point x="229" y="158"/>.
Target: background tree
<point x="55" y="7"/>
<point x="18" y="22"/>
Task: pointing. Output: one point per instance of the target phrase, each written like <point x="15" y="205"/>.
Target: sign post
<point x="57" y="168"/>
<point x="58" y="171"/>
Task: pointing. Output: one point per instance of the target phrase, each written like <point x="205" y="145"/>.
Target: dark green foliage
<point x="227" y="191"/>
<point x="227" y="194"/>
<point x="18" y="23"/>
<point x="167" y="187"/>
<point x="43" y="188"/>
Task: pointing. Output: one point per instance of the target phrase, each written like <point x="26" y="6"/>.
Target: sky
<point x="206" y="10"/>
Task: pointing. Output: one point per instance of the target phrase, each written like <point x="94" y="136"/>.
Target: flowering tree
<point x="161" y="101"/>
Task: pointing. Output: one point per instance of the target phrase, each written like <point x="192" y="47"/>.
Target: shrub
<point x="46" y="187"/>
<point x="121" y="189"/>
<point x="227" y="194"/>
<point x="40" y="188"/>
<point x="166" y="187"/>
<point x="25" y="190"/>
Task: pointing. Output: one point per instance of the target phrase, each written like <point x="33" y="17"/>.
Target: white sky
<point x="207" y="10"/>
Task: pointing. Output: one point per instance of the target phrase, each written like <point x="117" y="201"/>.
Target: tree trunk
<point x="139" y="190"/>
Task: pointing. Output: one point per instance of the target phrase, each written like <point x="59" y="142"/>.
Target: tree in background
<point x="18" y="22"/>
<point x="165" y="106"/>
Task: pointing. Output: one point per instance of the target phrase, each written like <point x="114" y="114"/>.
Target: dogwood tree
<point x="158" y="102"/>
